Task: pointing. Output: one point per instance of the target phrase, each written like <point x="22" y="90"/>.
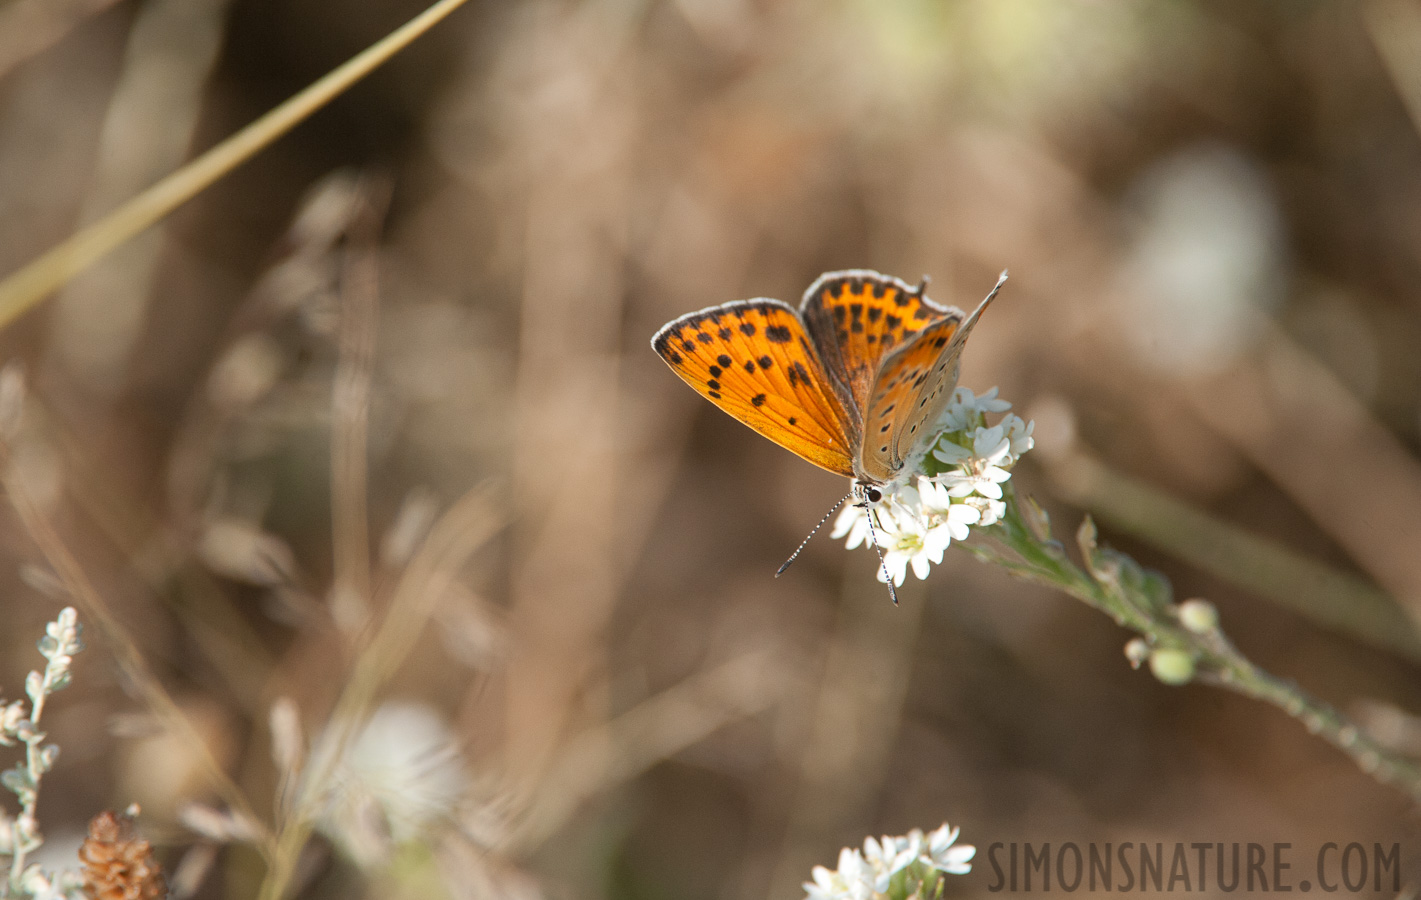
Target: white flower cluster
<point x="957" y="485"/>
<point x="894" y="868"/>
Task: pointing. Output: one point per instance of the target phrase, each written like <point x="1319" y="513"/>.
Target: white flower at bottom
<point x="890" y="856"/>
<point x="945" y="854"/>
<point x="851" y="881"/>
<point x="398" y="776"/>
<point x="893" y="867"/>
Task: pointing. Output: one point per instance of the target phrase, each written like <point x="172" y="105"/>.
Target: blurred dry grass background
<point x="1212" y="216"/>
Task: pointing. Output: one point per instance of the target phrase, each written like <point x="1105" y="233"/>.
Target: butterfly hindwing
<point x="753" y="359"/>
<point x="911" y="382"/>
<point x="857" y="317"/>
<point x="913" y="387"/>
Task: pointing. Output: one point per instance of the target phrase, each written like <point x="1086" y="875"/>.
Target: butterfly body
<point x="852" y="381"/>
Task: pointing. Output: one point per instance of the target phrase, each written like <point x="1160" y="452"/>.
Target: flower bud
<point x="1137" y="651"/>
<point x="1199" y="616"/>
<point x="1173" y="667"/>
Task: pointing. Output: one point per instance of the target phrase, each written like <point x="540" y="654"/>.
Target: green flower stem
<point x="1141" y="601"/>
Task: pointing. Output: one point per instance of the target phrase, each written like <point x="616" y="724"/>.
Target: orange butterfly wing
<point x="857" y="317"/>
<point x="911" y="383"/>
<point x="753" y="359"/>
<point x="913" y="387"/>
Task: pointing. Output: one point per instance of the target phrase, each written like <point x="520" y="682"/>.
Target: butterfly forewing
<point x="856" y="318"/>
<point x="753" y="359"/>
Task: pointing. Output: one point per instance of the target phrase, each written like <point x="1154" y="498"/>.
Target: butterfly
<point x="853" y="381"/>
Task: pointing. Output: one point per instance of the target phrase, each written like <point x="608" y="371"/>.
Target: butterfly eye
<point x="874" y="495"/>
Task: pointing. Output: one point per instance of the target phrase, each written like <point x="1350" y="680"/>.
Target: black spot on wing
<point x="778" y="334"/>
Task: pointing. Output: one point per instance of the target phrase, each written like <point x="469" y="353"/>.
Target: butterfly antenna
<point x="781" y="570"/>
<point x="887" y="578"/>
<point x="922" y="286"/>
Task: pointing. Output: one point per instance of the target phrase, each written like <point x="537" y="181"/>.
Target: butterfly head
<point x="866" y="493"/>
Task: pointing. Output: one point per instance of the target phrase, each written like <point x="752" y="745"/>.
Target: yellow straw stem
<point x="35" y="281"/>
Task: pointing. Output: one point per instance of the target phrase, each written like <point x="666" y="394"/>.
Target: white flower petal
<point x="989" y="489"/>
<point x="921" y="566"/>
<point x="951" y="453"/>
<point x="960" y="486"/>
<point x="895" y="564"/>
<point x="937" y="540"/>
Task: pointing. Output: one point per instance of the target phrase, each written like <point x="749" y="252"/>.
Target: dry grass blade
<point x="35" y="281"/>
<point x="350" y="414"/>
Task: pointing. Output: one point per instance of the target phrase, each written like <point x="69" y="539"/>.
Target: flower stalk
<point x="963" y="490"/>
<point x="1181" y="642"/>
